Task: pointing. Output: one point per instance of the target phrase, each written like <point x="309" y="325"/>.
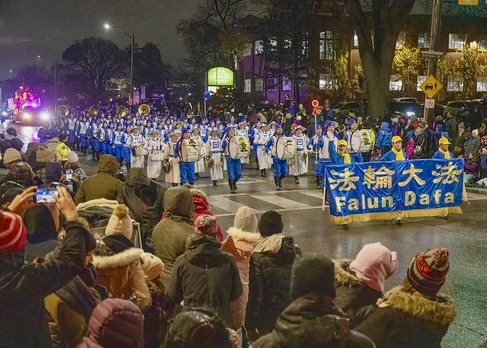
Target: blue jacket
<point x="439" y="155"/>
<point x="385" y="135"/>
<point x="391" y="156"/>
<point x="336" y="158"/>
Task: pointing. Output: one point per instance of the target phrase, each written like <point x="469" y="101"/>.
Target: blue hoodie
<point x="385" y="135"/>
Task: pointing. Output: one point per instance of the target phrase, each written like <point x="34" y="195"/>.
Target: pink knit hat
<point x="373" y="264"/>
<point x="205" y="225"/>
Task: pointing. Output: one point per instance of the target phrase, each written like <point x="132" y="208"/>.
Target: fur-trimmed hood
<point x="344" y="276"/>
<point x="440" y="310"/>
<point x="244" y="241"/>
<point x="121" y="259"/>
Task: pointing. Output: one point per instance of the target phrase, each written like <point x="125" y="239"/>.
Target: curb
<point x="478" y="190"/>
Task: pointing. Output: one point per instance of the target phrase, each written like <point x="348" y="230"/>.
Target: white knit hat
<point x="73" y="157"/>
<point x="120" y="222"/>
<point x="151" y="265"/>
<point x="11" y="155"/>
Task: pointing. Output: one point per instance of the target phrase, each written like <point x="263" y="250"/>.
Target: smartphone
<point x="69" y="174"/>
<point x="45" y="195"/>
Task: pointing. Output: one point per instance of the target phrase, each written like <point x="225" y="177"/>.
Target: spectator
<point x="312" y="319"/>
<point x="459" y="147"/>
<point x="414" y="314"/>
<point x="202" y="207"/>
<point x="451" y="125"/>
<point x="384" y="138"/>
<point x="62" y="149"/>
<point x="132" y="192"/>
<point x="24" y="287"/>
<point x="204" y="276"/>
<point x="103" y="184"/>
<point x="360" y="282"/>
<point x="241" y="240"/>
<point x="410" y="149"/>
<point x="53" y="170"/>
<point x="472" y="144"/>
<point x="198" y="328"/>
<point x="15" y="142"/>
<point x="42" y="223"/>
<point x="117" y="261"/>
<point x="171" y="233"/>
<point x="474" y="118"/>
<point x="483" y="163"/>
<point x="269" y="276"/>
<point x="11" y="156"/>
<point x="115" y="323"/>
<point x="78" y="173"/>
<point x="21" y="173"/>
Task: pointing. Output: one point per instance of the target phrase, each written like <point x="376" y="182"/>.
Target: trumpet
<point x="93" y="110"/>
<point x="121" y="111"/>
<point x="62" y="110"/>
<point x="144" y="109"/>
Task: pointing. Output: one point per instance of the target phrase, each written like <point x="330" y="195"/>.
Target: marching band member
<point x="199" y="166"/>
<point x="102" y="137"/>
<point x="155" y="149"/>
<point x="354" y="141"/>
<point x="136" y="142"/>
<point x="186" y="167"/>
<point x="234" y="165"/>
<point x="118" y="140"/>
<point x="127" y="153"/>
<point x="243" y="131"/>
<point x="171" y="157"/>
<point x="109" y="138"/>
<point x="214" y="151"/>
<point x="82" y="134"/>
<point x="313" y="146"/>
<point x="92" y="133"/>
<point x="300" y="165"/>
<point x="280" y="165"/>
<point x="72" y="125"/>
<point x="329" y="138"/>
<point x="204" y="129"/>
<point x="261" y="139"/>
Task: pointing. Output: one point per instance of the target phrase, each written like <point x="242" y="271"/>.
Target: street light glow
<point x="106" y="26"/>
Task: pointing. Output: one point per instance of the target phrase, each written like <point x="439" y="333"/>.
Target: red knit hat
<point x="12" y="232"/>
<point x="427" y="272"/>
<point x="205" y="225"/>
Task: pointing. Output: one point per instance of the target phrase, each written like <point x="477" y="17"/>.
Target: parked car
<point x="4" y="114"/>
<point x="460" y="108"/>
<point x="406" y="99"/>
<point x="342" y="109"/>
<point x="407" y="108"/>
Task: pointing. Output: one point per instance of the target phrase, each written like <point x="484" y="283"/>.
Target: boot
<point x="296" y="180"/>
<point x="265" y="172"/>
<point x="276" y="181"/>
<point x="235" y="185"/>
<point x="280" y="181"/>
<point x="230" y="183"/>
<point x="318" y="182"/>
<point x="197" y="175"/>
<point x="174" y="184"/>
<point x="214" y="182"/>
<point x="262" y="173"/>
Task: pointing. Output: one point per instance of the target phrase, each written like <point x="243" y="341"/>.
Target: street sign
<point x="429" y="103"/>
<point x="431" y="86"/>
<point x="206" y="95"/>
<point x="468" y="2"/>
<point x="432" y="54"/>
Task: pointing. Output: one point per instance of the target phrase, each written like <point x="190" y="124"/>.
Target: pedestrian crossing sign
<point x="431" y="86"/>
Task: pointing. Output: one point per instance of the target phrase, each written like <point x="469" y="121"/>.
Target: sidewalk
<point x="477" y="189"/>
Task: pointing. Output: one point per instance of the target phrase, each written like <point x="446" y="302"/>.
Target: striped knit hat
<point x="427" y="272"/>
<point x="12" y="232"/>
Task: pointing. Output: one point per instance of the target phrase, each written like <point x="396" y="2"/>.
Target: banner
<point x="386" y="190"/>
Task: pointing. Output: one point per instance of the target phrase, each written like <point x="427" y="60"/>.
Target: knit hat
<point x="475" y="133"/>
<point x="11" y="155"/>
<point x="63" y="137"/>
<point x="312" y="273"/>
<point x="270" y="223"/>
<point x="205" y="225"/>
<point x="120" y="222"/>
<point x="373" y="264"/>
<point x="12" y="232"/>
<point x="151" y="265"/>
<point x="245" y="219"/>
<point x="73" y="157"/>
<point x="44" y="155"/>
<point x="427" y="271"/>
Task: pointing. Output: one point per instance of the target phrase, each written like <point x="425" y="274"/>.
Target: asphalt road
<point x="464" y="235"/>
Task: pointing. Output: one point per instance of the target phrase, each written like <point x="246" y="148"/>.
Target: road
<point x="464" y="235"/>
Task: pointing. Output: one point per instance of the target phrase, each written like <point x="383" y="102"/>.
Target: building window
<point x="395" y="83"/>
<point x="328" y="41"/>
<point x="271" y="83"/>
<point x="247" y="50"/>
<point x="259" y="85"/>
<point x="421" y="79"/>
<point x="304" y="46"/>
<point x="454" y="83"/>
<point x="456" y="41"/>
<point x="287" y="85"/>
<point x="401" y="40"/>
<point x="258" y="47"/>
<point x="247" y="85"/>
<point x="355" y="39"/>
<point x="423" y="40"/>
<point x="482" y="84"/>
<point x="325" y="82"/>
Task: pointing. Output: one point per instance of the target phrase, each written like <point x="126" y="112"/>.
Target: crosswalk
<point x="281" y="201"/>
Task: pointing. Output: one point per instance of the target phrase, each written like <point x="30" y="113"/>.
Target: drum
<point x="286" y="148"/>
<point x="140" y="151"/>
<point x="156" y="155"/>
<point x="190" y="151"/>
<point x="239" y="147"/>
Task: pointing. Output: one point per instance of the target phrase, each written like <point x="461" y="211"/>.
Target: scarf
<point x="399" y="154"/>
<point x="446" y="154"/>
<point x="78" y="297"/>
<point x="346" y="157"/>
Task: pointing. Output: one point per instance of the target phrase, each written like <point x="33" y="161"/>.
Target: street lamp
<point x="132" y="39"/>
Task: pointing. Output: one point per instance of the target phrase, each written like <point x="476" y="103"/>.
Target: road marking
<point x="282" y="202"/>
<point x="225" y="204"/>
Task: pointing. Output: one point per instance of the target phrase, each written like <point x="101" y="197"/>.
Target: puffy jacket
<point x="385" y="135"/>
<point x="206" y="277"/>
<point x="62" y="151"/>
<point x="128" y="194"/>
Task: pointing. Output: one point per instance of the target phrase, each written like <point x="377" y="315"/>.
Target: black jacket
<point x="269" y="281"/>
<point x="408" y="320"/>
<point x="205" y="276"/>
<point x="23" y="288"/>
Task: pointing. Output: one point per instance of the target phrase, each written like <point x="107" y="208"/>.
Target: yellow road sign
<point x="468" y="2"/>
<point x="431" y="86"/>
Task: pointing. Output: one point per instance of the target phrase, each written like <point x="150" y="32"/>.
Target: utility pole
<point x="132" y="72"/>
<point x="435" y="30"/>
<point x="55" y="86"/>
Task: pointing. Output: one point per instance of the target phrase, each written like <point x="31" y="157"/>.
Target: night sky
<point x="31" y="28"/>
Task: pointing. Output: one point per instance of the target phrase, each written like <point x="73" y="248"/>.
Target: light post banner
<point x="386" y="190"/>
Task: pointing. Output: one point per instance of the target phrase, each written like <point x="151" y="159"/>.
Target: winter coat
<point x="202" y="207"/>
<point x="241" y="244"/>
<point x="23" y="288"/>
<point x="451" y="126"/>
<point x="119" y="270"/>
<point x="311" y="321"/>
<point x="103" y="184"/>
<point x="269" y="281"/>
<point x="472" y="145"/>
<point x="62" y="151"/>
<point x="408" y="320"/>
<point x="352" y="294"/>
<point x="136" y="181"/>
<point x="410" y="149"/>
<point x="171" y="234"/>
<point x="385" y="135"/>
<point x="206" y="277"/>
